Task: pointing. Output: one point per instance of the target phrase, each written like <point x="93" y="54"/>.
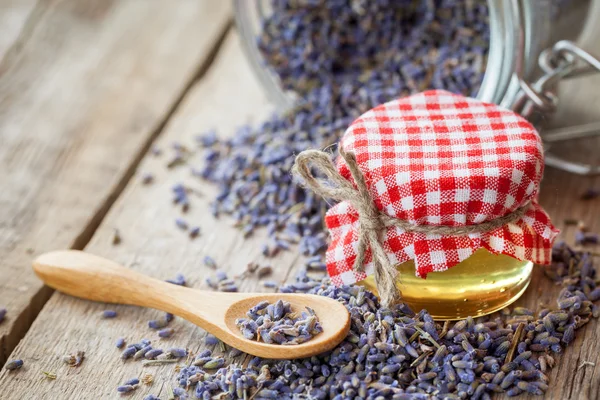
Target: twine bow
<point x="373" y="222"/>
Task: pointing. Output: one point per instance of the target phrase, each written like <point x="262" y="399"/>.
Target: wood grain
<point x="226" y="97"/>
<point x="84" y="87"/>
<point x="229" y="95"/>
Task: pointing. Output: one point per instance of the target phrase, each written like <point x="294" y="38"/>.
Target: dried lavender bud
<point x="195" y="232"/>
<point x="529" y="388"/>
<point x="157" y="323"/>
<point x="270" y="284"/>
<point x="109" y="314"/>
<point x="151" y="397"/>
<point x="209" y="262"/>
<point x="152" y="354"/>
<point x="126" y="388"/>
<point x="215" y="363"/>
<point x="181" y="224"/>
<point x="264" y="270"/>
<point x="179" y="393"/>
<point x="120" y="343"/>
<point x="278" y="323"/>
<point x="147" y="178"/>
<point x="166" y="332"/>
<point x="132" y="381"/>
<point x="142" y="352"/>
<point x="211" y="340"/>
<point x="13" y="365"/>
<point x="177" y="352"/>
<point x="178" y="280"/>
<point x="128" y="353"/>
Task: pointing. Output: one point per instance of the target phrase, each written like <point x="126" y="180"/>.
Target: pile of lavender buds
<point x="278" y="324"/>
<point x="341" y="58"/>
<point x="397" y="354"/>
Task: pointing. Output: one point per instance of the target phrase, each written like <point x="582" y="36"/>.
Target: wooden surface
<point x="84" y="87"/>
<point x="226" y="96"/>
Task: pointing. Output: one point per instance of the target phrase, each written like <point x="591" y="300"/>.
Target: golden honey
<point x="481" y="284"/>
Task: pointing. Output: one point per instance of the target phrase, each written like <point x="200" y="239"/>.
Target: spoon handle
<point x="95" y="278"/>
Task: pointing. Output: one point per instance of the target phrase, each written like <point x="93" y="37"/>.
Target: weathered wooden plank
<point x="82" y="93"/>
<point x="226" y="97"/>
<point x="16" y="16"/>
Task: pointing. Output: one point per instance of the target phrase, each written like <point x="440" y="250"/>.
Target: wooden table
<point x="86" y="88"/>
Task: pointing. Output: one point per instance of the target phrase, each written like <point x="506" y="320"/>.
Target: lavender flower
<point x="13" y="365"/>
<point x="109" y="314"/>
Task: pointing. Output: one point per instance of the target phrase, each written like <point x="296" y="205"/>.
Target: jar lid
<point x="447" y="175"/>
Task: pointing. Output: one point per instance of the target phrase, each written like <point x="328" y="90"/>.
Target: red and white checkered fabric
<point x="437" y="158"/>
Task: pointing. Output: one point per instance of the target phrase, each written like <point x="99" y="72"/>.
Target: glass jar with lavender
<point x="345" y="58"/>
<point x="350" y="56"/>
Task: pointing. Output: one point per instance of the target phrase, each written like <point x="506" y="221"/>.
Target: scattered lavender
<point x="120" y="343"/>
<point x="132" y="381"/>
<point x="166" y="332"/>
<point x="179" y="393"/>
<point x="177" y="352"/>
<point x="221" y="282"/>
<point x="270" y="284"/>
<point x="151" y="397"/>
<point x="161" y="323"/>
<point x="178" y="280"/>
<point x="156" y="151"/>
<point x="74" y="360"/>
<point x="2" y="314"/>
<point x="180" y="196"/>
<point x="181" y="224"/>
<point x="396" y="353"/>
<point x="107" y="314"/>
<point x="152" y="354"/>
<point x="211" y="340"/>
<point x="194" y="232"/>
<point x="13" y="365"/>
<point x="126" y="388"/>
<point x="147" y="178"/>
<point x="278" y="324"/>
<point x="210" y="262"/>
<point x="264" y="270"/>
<point x="341" y="59"/>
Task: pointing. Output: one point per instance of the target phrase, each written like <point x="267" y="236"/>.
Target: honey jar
<point x="437" y="204"/>
<point x="482" y="284"/>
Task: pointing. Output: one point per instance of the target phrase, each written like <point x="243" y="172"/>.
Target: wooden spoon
<point x="95" y="278"/>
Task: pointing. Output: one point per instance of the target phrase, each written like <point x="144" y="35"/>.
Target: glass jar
<point x="519" y="30"/>
<point x="482" y="284"/>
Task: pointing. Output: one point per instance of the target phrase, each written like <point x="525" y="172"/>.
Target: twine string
<point x="372" y="222"/>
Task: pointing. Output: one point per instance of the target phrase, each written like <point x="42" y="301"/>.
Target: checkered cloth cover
<point x="437" y="158"/>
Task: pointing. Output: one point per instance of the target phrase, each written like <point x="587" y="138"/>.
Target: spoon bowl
<point x="95" y="278"/>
